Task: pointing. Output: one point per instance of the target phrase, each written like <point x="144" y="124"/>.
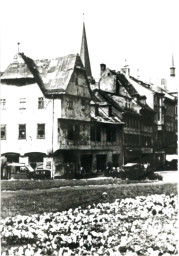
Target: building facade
<point x="137" y="115"/>
<point x="47" y="117"/>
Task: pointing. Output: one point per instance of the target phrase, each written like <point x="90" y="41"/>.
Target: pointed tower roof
<point x="84" y="54"/>
<point x="172" y="69"/>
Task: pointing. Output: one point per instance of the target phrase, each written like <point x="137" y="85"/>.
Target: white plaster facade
<point x="12" y="116"/>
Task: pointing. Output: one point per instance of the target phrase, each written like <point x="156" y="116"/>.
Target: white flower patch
<point x="141" y="226"/>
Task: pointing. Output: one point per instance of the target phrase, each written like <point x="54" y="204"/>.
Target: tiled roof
<point x="53" y="75"/>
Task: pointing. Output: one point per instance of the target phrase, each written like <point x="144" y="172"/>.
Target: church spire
<point x="84" y="54"/>
<point x="172" y="69"/>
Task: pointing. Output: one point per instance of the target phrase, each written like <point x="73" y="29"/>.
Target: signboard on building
<point x="147" y="150"/>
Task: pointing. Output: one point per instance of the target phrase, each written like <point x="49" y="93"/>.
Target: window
<point x="40" y="103"/>
<point x="176" y="110"/>
<point x="3" y="104"/>
<point x="3" y="132"/>
<point x="22" y="103"/>
<point x="41" y="131"/>
<point x="76" y="80"/>
<point x="95" y="133"/>
<point x="83" y="105"/>
<point x="108" y="133"/>
<point x="70" y="132"/>
<point x="73" y="132"/>
<point x="70" y="104"/>
<point x="22" y="131"/>
<point x="98" y="133"/>
<point x="146" y="141"/>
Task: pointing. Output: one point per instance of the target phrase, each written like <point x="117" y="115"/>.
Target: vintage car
<point x="135" y="171"/>
<point x="19" y="171"/>
<point x="41" y="173"/>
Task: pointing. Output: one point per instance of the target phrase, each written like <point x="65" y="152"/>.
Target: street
<point x="169" y="176"/>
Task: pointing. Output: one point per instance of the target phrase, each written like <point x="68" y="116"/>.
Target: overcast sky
<point x="142" y="31"/>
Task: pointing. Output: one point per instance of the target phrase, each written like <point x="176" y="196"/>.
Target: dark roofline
<point x="34" y="70"/>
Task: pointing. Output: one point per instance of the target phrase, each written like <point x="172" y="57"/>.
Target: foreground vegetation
<point x="145" y="225"/>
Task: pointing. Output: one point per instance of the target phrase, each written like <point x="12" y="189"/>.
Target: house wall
<point x="12" y="116"/>
<point x="78" y="84"/>
<point x="108" y="81"/>
<point x="72" y="108"/>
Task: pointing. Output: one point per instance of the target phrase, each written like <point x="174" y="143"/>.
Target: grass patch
<point x="53" y="200"/>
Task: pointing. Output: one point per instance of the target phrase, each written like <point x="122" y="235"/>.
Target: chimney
<point x="103" y="68"/>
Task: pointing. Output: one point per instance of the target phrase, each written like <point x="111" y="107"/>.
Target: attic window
<point x="76" y="80"/>
<point x="70" y="104"/>
<point x="83" y="105"/>
<point x="109" y="74"/>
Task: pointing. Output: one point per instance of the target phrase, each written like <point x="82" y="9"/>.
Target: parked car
<point x="41" y="173"/>
<point x="19" y="171"/>
<point x="135" y="171"/>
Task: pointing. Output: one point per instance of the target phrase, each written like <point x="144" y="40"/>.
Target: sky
<point x="144" y="32"/>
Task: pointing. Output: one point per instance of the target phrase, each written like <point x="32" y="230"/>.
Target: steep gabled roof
<point x="52" y="75"/>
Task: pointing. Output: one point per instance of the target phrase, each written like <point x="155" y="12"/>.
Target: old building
<point x="136" y="114"/>
<point x="48" y="116"/>
<point x="149" y="113"/>
<point x="164" y="105"/>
